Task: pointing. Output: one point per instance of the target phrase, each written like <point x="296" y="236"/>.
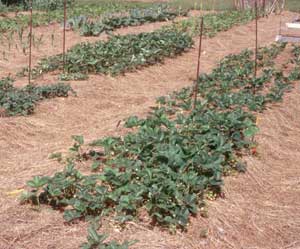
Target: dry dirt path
<point x="261" y="209"/>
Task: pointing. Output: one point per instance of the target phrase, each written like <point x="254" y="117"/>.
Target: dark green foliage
<point x="175" y="154"/>
<point x="296" y="54"/>
<point x="48" y="5"/>
<point x="97" y="241"/>
<point x="236" y="72"/>
<point x="22" y="101"/>
<point x="134" y="18"/>
<point x="92" y="10"/>
<point x="295" y="74"/>
<point x="12" y="2"/>
<point x="124" y="53"/>
<point x="215" y="22"/>
<point x="120" y="53"/>
<point x="171" y="158"/>
<point x="38" y="4"/>
<point x="267" y="54"/>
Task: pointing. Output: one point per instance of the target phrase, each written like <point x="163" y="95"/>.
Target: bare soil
<point x="261" y="208"/>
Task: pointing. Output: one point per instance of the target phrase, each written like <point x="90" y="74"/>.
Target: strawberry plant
<point x="119" y="54"/>
<point x="295" y="74"/>
<point x="129" y="52"/>
<point x="97" y="241"/>
<point x="134" y="18"/>
<point x="48" y="5"/>
<point x="215" y="22"/>
<point x="22" y="101"/>
<point x="296" y="54"/>
<point x="267" y="54"/>
<point x="173" y="157"/>
<point x="92" y="10"/>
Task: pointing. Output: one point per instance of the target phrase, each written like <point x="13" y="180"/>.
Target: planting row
<point x="119" y="54"/>
<point x="135" y="17"/>
<point x="129" y="52"/>
<point x="172" y="158"/>
<point x="22" y="101"/>
<point x="215" y="22"/>
<point x="86" y="26"/>
<point x="52" y="16"/>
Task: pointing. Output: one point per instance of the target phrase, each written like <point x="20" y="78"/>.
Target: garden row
<point x="129" y="52"/>
<point x="172" y="158"/>
<point x="56" y="14"/>
<point x="22" y="101"/>
<point x="24" y="5"/>
<point x="215" y="22"/>
<point x="135" y="17"/>
<point x="118" y="55"/>
<point x="17" y="27"/>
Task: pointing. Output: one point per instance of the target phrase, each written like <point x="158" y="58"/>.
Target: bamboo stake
<point x="198" y="63"/>
<point x="30" y="44"/>
<point x="64" y="34"/>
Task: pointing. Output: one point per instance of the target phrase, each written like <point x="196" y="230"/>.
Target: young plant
<point x="22" y="101"/>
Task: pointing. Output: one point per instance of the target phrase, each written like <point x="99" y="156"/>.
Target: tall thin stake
<point x="198" y="65"/>
<point x="64" y="35"/>
<point x="256" y="40"/>
<point x="280" y="24"/>
<point x="30" y="44"/>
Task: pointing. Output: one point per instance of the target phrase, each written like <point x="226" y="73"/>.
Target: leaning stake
<point x="64" y="35"/>
<point x="30" y="43"/>
<point x="198" y="65"/>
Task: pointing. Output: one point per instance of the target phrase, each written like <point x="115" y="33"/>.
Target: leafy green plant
<point x="295" y="74"/>
<point x="22" y="101"/>
<point x="44" y="18"/>
<point x="214" y="22"/>
<point x="267" y="54"/>
<point x="73" y="76"/>
<point x="172" y="158"/>
<point x="134" y="18"/>
<point x="48" y="5"/>
<point x="119" y="54"/>
<point x="97" y="241"/>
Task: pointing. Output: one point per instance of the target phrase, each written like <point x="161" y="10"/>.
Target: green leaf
<point x="37" y="182"/>
<point x="78" y="139"/>
<point x="70" y="215"/>
<point x="251" y="131"/>
<point x="95" y="165"/>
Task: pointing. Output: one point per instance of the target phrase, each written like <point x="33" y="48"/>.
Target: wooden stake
<point x="30" y="44"/>
<point x="64" y="35"/>
<point x="198" y="63"/>
<point x="256" y="39"/>
<point x="280" y="25"/>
